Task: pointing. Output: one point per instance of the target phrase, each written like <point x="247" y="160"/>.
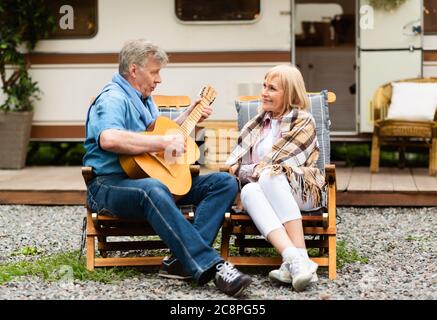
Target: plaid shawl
<point x="294" y="154"/>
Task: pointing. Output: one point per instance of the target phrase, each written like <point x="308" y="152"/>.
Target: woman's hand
<point x="233" y="169"/>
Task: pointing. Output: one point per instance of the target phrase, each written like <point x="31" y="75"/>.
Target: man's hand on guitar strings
<point x="174" y="146"/>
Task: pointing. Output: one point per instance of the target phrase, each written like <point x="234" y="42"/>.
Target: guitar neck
<point x="193" y="118"/>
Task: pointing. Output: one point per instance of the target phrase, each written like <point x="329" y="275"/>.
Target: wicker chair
<point x="401" y="133"/>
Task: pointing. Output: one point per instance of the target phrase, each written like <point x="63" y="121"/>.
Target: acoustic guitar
<point x="174" y="172"/>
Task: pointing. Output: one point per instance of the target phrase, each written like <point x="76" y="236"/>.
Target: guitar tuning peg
<point x="202" y="92"/>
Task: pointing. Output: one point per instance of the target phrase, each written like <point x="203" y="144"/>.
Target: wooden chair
<point x="100" y="227"/>
<point x="401" y="133"/>
<point x="319" y="225"/>
<point x="163" y="101"/>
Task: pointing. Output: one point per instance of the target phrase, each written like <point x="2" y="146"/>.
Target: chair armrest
<point x="380" y="102"/>
<point x="87" y="174"/>
<point x="194" y="169"/>
<point x="225" y="168"/>
<point x="434" y="130"/>
<point x="330" y="174"/>
<point x="329" y="220"/>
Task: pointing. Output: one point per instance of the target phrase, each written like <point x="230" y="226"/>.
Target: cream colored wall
<point x="68" y="88"/>
<point x="156" y="21"/>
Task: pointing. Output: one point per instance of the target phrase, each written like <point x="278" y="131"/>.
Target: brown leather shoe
<point x="229" y="280"/>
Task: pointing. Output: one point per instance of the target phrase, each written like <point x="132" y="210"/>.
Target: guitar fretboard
<point x="193" y="118"/>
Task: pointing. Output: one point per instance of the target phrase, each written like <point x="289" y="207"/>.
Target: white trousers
<point x="271" y="202"/>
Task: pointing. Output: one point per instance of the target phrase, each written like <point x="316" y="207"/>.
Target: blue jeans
<point x="149" y="199"/>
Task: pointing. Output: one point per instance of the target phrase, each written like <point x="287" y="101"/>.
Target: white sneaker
<point x="313" y="267"/>
<point x="281" y="275"/>
<point x="301" y="272"/>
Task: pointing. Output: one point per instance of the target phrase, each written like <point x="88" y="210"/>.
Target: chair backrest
<point x="171" y="106"/>
<point x="247" y="108"/>
<point x="171" y="101"/>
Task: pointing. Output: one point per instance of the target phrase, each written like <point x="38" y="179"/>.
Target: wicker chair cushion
<point x="413" y="101"/>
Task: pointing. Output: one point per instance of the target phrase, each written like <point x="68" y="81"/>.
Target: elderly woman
<point x="275" y="161"/>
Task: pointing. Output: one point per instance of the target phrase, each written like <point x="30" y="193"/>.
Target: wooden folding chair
<point x="99" y="227"/>
<point x="163" y="101"/>
<point x="319" y="225"/>
<point x="104" y="229"/>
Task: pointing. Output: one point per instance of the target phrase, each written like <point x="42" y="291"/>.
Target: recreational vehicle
<point x="344" y="46"/>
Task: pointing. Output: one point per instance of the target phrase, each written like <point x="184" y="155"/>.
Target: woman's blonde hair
<point x="293" y="85"/>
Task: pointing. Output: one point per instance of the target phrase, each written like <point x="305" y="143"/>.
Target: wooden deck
<point x="389" y="187"/>
<point x="356" y="186"/>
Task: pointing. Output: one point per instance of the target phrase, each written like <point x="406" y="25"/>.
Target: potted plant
<point x="22" y="24"/>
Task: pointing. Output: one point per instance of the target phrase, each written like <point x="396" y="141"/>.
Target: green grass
<point x="66" y="265"/>
<point x="27" y="251"/>
<point x="415" y="238"/>
<point x="346" y="255"/>
<point x="59" y="266"/>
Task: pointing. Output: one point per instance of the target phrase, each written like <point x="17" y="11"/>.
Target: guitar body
<point x="175" y="172"/>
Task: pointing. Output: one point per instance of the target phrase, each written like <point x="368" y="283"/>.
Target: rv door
<point x="390" y="48"/>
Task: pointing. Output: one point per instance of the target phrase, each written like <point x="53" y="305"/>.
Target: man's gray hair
<point x="137" y="52"/>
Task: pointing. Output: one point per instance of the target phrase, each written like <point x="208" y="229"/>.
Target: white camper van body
<point x="231" y="56"/>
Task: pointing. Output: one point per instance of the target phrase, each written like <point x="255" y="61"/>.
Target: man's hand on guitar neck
<point x="206" y="112"/>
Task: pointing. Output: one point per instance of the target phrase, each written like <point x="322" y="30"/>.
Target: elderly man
<point x="114" y="124"/>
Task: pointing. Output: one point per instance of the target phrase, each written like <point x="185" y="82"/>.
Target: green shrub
<point x="358" y="154"/>
<point x="55" y="153"/>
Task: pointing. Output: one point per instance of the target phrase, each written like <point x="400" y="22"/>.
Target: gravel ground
<point x="400" y="244"/>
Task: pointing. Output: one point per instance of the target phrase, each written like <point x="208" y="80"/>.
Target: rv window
<point x="430" y="16"/>
<point x="217" y="10"/>
<point x="75" y="18"/>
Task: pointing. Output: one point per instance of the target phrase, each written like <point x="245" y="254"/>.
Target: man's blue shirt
<point x="113" y="109"/>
